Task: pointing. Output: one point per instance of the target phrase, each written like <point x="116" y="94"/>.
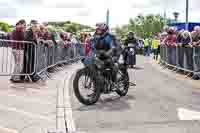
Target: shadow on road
<point x="113" y="103"/>
<point x="138" y="68"/>
<point x="25" y="86"/>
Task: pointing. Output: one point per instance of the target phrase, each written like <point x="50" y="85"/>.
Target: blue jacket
<point x="105" y="42"/>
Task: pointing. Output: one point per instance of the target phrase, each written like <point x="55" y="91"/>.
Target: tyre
<point x="90" y="99"/>
<point x="125" y="85"/>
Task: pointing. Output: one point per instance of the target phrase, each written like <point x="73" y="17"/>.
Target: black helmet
<point x="131" y="35"/>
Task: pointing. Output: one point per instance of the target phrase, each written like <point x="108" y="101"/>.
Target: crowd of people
<point x="180" y="48"/>
<point x="25" y="35"/>
<point x="172" y="38"/>
<point x="24" y="55"/>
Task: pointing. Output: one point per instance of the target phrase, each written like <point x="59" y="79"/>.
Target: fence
<point x="183" y="58"/>
<point x="28" y="58"/>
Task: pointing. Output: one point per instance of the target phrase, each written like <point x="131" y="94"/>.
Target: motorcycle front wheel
<point x="123" y="89"/>
<point x="89" y="84"/>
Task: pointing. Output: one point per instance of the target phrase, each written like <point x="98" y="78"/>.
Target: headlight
<point x="131" y="49"/>
<point x="130" y="45"/>
<point x="121" y="59"/>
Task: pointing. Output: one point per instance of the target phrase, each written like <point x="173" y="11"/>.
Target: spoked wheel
<point x="85" y="87"/>
<point x="123" y="84"/>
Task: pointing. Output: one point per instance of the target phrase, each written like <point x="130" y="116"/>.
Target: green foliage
<point x="72" y="27"/>
<point x="5" y="27"/>
<point x="143" y="26"/>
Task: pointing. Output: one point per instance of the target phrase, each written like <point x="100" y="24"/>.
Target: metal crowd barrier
<point x="27" y="58"/>
<point x="14" y="60"/>
<point x="183" y="58"/>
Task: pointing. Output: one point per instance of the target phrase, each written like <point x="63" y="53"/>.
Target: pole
<point x="187" y="14"/>
<point x="165" y="17"/>
<point x="107" y="17"/>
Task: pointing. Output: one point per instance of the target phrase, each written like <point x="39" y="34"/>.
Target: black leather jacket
<point x="133" y="41"/>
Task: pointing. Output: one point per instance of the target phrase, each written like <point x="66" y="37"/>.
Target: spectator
<point x="80" y="45"/>
<point x="29" y="51"/>
<point x="45" y="36"/>
<point x="66" y="38"/>
<point x="45" y="24"/>
<point x="179" y="37"/>
<point x="87" y="46"/>
<point x="147" y="48"/>
<point x="196" y="36"/>
<point x="196" y="57"/>
<point x="155" y="45"/>
<point x="140" y="46"/>
<point x="171" y="38"/>
<point x="180" y="49"/>
<point x="83" y="37"/>
<point x="66" y="45"/>
<point x="163" y="36"/>
<point x="188" y="51"/>
<point x="170" y="41"/>
<point x="17" y="49"/>
<point x="186" y="39"/>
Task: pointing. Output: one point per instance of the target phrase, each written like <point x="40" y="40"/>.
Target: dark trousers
<point x="188" y="58"/>
<point x="29" y="60"/>
<point x="155" y="54"/>
<point x="147" y="51"/>
<point x="171" y="54"/>
<point x="180" y="57"/>
<point x="196" y="61"/>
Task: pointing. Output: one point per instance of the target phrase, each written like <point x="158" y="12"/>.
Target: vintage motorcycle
<point x="98" y="79"/>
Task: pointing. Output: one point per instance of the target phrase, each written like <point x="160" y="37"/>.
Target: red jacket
<point x="87" y="47"/>
<point x="171" y="40"/>
<point x="45" y="36"/>
<point x="17" y="35"/>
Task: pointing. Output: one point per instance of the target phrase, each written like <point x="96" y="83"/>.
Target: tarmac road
<point x="160" y="103"/>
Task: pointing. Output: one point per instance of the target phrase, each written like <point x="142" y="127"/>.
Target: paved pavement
<point x="31" y="108"/>
<point x="162" y="102"/>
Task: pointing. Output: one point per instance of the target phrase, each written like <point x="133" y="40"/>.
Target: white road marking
<point x="28" y="114"/>
<point x="60" y="121"/>
<point x="68" y="111"/>
<point x="186" y="114"/>
<point x="64" y="102"/>
<point x="7" y="130"/>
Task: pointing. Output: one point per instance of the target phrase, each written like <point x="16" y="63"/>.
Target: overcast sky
<point x="91" y="11"/>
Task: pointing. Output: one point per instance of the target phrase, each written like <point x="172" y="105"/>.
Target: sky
<point x="90" y="12"/>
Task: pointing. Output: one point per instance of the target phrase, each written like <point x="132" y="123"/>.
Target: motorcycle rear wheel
<point x="95" y="96"/>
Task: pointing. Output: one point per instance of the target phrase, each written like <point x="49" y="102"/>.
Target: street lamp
<point x="176" y="15"/>
<point x="187" y="14"/>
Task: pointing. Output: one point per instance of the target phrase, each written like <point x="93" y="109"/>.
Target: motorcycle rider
<point x="131" y="39"/>
<point x="105" y="46"/>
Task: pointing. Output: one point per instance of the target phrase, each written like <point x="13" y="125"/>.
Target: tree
<point x="143" y="26"/>
<point x="5" y="27"/>
<point x="72" y="27"/>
